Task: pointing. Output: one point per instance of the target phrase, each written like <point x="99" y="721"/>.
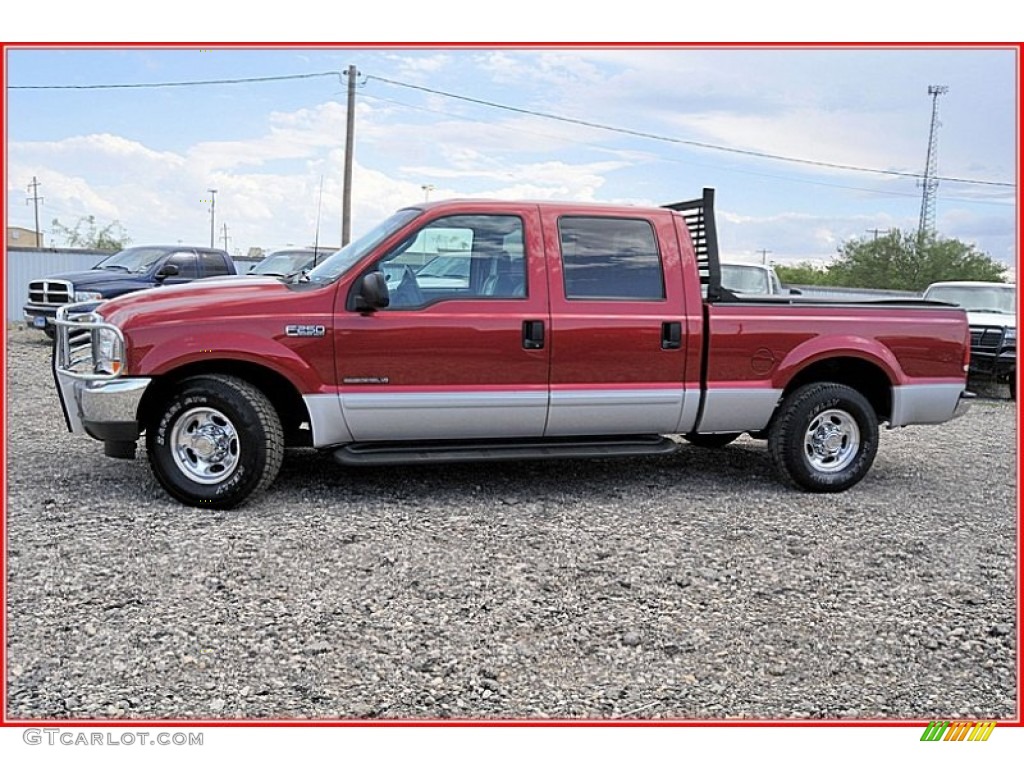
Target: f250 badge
<point x="304" y="330"/>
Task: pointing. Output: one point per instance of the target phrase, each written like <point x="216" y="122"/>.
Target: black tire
<point x="1012" y="382"/>
<point x="215" y="442"/>
<point x="711" y="441"/>
<point x="823" y="438"/>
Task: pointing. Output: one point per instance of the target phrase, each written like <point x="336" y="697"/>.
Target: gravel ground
<point x="690" y="586"/>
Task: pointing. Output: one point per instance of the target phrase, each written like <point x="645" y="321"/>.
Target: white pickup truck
<point x="753" y="280"/>
<point x="992" y="315"/>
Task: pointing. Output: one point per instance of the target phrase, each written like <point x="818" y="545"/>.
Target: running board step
<point x="502" y="450"/>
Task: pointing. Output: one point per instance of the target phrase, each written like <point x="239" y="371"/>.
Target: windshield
<point x="342" y="261"/>
<point x="745" y="279"/>
<point x="983" y="298"/>
<point x="282" y="263"/>
<point x="134" y="260"/>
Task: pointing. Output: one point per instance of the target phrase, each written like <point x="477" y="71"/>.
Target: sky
<point x="660" y="124"/>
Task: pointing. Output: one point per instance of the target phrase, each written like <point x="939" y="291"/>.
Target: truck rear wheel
<point x="215" y="442"/>
<point x="823" y="438"/>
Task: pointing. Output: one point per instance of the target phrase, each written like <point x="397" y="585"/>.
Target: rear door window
<point x="610" y="258"/>
<point x="214" y="265"/>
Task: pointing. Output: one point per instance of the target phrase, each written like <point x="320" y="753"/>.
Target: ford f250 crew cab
<point x="578" y="331"/>
<point x="132" y="269"/>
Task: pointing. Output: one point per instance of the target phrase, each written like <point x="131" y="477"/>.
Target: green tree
<point x="898" y="261"/>
<point x="804" y="273"/>
<point x="86" y="234"/>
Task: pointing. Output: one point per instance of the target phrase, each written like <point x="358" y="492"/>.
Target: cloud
<point x="793" y="236"/>
<point x="268" y="185"/>
<point x="419" y="68"/>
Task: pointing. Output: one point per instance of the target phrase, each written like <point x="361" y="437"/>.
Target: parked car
<point x="290" y="261"/>
<point x="132" y="269"/>
<point x="595" y="340"/>
<point x="992" y="315"/>
<point x="753" y="280"/>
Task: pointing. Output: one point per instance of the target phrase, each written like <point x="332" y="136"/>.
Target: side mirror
<point x="167" y="270"/>
<point x="372" y="292"/>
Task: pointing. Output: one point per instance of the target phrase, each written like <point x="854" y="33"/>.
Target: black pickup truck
<point x="132" y="269"/>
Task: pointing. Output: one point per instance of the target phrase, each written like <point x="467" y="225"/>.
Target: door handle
<point x="671" y="335"/>
<point x="533" y="334"/>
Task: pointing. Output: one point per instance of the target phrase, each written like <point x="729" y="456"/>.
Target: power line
<point x="178" y="84"/>
<point x="662" y="158"/>
<point x="531" y="112"/>
<point x="686" y="142"/>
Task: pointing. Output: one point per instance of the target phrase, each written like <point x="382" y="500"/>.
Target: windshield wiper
<point x="115" y="266"/>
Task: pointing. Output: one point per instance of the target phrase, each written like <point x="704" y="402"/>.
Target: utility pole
<point x="350" y="126"/>
<point x="36" y="199"/>
<point x="929" y="183"/>
<point x="874" y="233"/>
<point x="224" y="237"/>
<point x="764" y="255"/>
<point x="213" y="206"/>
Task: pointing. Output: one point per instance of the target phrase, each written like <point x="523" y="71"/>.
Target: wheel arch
<point x="867" y="376"/>
<point x="284" y="397"/>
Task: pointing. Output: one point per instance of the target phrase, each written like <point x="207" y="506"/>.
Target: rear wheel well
<point x="290" y="407"/>
<point x="861" y="375"/>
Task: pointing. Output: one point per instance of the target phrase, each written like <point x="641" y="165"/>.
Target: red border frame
<point x="524" y="723"/>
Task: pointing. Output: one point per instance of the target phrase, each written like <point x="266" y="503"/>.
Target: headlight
<point x="1010" y="334"/>
<point x="88" y="296"/>
<point x="107" y="351"/>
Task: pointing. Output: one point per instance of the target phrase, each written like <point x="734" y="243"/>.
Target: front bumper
<point x="39" y="315"/>
<point x="104" y="406"/>
<point x="993" y="352"/>
<point x="104" y="410"/>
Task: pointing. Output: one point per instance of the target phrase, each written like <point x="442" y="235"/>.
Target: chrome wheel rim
<point x="204" y="444"/>
<point x="832" y="441"/>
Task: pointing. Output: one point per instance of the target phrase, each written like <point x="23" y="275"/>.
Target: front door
<point x="462" y="350"/>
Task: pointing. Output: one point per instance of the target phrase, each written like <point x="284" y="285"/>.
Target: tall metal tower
<point x="929" y="183"/>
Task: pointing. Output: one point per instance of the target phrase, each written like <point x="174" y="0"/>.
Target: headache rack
<point x="700" y="220"/>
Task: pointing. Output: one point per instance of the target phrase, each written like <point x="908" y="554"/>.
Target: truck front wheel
<point x="215" y="441"/>
<point x="823" y="438"/>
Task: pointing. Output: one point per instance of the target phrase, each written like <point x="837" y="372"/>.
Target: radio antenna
<point x="316" y="237"/>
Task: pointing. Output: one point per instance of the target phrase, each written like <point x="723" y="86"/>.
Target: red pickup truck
<point x="540" y="330"/>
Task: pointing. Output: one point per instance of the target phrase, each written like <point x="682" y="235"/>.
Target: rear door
<point x="618" y="326"/>
<point x="214" y="264"/>
<point x="462" y="351"/>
